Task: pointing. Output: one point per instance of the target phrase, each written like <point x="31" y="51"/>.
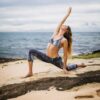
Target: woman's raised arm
<point x="63" y="20"/>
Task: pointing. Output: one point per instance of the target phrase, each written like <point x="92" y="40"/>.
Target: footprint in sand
<point x="84" y="97"/>
<point x="21" y="62"/>
<point x="90" y="61"/>
<point x="98" y="92"/>
<point x="4" y="66"/>
<point x="17" y="63"/>
<point x="76" y="89"/>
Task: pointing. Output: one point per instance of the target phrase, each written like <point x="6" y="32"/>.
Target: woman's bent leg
<point x="34" y="53"/>
<point x="58" y="62"/>
<point x="82" y="65"/>
<point x="30" y="73"/>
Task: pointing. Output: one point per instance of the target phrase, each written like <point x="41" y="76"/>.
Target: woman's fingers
<point x="69" y="10"/>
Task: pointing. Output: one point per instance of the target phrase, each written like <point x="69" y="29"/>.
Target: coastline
<point x="94" y="54"/>
<point x="11" y="74"/>
<point x="4" y="60"/>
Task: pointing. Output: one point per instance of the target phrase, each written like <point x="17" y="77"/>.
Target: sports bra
<point x="56" y="42"/>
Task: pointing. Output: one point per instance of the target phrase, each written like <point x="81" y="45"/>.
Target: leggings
<point x="42" y="56"/>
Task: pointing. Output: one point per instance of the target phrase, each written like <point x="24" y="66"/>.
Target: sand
<point x="13" y="72"/>
<point x="85" y="92"/>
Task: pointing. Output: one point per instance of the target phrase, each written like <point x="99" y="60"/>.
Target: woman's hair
<point x="68" y="36"/>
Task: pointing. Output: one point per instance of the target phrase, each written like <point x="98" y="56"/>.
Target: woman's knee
<point x="31" y="54"/>
<point x="32" y="51"/>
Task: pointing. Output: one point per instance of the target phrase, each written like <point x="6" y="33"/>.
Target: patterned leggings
<point x="55" y="61"/>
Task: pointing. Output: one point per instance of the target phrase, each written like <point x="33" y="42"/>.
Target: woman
<point x="62" y="38"/>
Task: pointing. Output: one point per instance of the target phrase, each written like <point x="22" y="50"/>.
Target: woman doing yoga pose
<point x="62" y="38"/>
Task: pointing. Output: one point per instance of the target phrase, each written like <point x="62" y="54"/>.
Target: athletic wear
<point x="55" y="61"/>
<point x="34" y="53"/>
<point x="71" y="66"/>
<point x="56" y="42"/>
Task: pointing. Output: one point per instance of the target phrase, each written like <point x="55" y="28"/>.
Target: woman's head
<point x="68" y="36"/>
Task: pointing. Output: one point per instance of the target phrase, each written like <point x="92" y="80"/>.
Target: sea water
<point x="17" y="44"/>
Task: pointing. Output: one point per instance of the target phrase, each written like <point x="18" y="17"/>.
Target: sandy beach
<point x="49" y="30"/>
<point x="12" y="73"/>
<point x="85" y="92"/>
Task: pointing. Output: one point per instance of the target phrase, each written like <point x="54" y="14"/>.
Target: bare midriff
<point x="52" y="51"/>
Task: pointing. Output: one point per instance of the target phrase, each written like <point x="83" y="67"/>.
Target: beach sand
<point x="12" y="72"/>
<point x="84" y="92"/>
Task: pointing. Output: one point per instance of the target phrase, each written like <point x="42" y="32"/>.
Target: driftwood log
<point x="60" y="83"/>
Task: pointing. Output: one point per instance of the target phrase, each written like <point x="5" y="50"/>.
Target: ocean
<point x="17" y="44"/>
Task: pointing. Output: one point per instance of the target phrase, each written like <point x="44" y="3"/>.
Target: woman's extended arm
<point x="65" y="46"/>
<point x="63" y="20"/>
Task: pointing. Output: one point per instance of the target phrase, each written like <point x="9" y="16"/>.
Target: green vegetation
<point x="88" y="56"/>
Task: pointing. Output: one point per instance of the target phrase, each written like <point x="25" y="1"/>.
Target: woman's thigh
<point x="58" y="62"/>
<point x="40" y="55"/>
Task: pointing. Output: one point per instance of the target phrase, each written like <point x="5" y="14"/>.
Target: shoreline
<point x="94" y="54"/>
<point x="4" y="60"/>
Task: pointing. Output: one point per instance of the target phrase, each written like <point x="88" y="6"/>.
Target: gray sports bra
<point x="56" y="42"/>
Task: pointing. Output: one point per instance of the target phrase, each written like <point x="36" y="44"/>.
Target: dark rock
<point x="3" y="60"/>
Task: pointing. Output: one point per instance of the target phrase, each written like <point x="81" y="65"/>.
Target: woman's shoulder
<point x="64" y="41"/>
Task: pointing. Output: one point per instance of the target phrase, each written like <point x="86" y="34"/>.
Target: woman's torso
<point x="54" y="46"/>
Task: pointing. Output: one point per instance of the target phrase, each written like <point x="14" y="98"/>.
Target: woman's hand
<point x="69" y="10"/>
<point x="62" y="21"/>
<point x="65" y="71"/>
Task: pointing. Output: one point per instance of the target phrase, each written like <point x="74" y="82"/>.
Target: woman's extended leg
<point x="82" y="65"/>
<point x="74" y="66"/>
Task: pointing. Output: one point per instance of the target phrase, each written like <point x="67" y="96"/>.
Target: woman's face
<point x="64" y="28"/>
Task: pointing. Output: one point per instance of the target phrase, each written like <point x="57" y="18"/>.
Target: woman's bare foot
<point x="65" y="71"/>
<point x="28" y="75"/>
<point x="82" y="65"/>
